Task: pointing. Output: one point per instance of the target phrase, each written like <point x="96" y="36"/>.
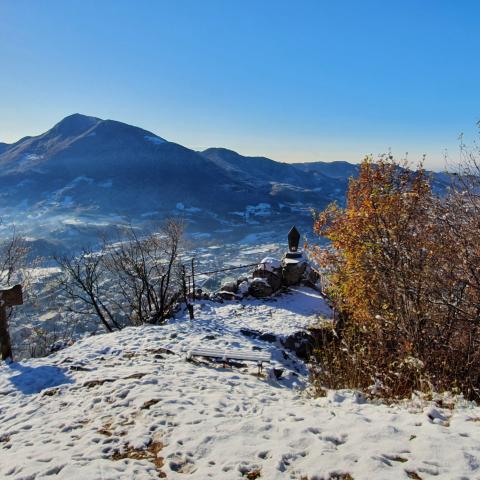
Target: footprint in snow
<point x="181" y="463"/>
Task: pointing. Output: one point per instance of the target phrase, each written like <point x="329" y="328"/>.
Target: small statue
<point x="293" y="239"/>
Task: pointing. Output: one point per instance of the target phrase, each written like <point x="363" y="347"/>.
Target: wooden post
<point x="185" y="293"/>
<point x="193" y="281"/>
<point x="8" y="298"/>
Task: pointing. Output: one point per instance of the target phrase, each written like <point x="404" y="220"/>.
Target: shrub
<point x="404" y="275"/>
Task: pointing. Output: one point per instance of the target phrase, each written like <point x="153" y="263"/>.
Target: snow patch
<point x="271" y="264"/>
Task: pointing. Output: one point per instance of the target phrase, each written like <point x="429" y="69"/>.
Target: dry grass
<point x="51" y="392"/>
<point x="151" y="454"/>
<point x="253" y="474"/>
<point x="95" y="383"/>
<point x="412" y="474"/>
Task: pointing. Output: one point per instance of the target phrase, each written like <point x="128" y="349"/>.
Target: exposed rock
<point x="268" y="337"/>
<point x="310" y="277"/>
<point x="274" y="279"/>
<point x="226" y="295"/>
<point x="201" y="295"/>
<point x="243" y="287"/>
<point x="260" y="288"/>
<point x="240" y="280"/>
<point x="250" y="333"/>
<point x="265" y="337"/>
<point x="292" y="271"/>
<point x="278" y="372"/>
<point x="302" y="343"/>
<point x="271" y="264"/>
<point x="231" y="287"/>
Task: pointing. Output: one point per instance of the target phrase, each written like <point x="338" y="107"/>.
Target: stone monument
<point x="293" y="262"/>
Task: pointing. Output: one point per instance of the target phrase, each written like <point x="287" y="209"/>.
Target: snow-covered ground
<point x="128" y="405"/>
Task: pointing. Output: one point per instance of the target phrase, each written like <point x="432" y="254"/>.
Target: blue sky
<point x="292" y="80"/>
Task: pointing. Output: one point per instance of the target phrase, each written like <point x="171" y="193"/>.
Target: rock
<point x="260" y="288"/>
<point x="250" y="333"/>
<point x="292" y="271"/>
<point x="268" y="337"/>
<point x="201" y="295"/>
<point x="226" y="295"/>
<point x="271" y="264"/>
<point x="278" y="372"/>
<point x="265" y="337"/>
<point x="243" y="287"/>
<point x="302" y="343"/>
<point x="209" y="337"/>
<point x="231" y="287"/>
<point x="438" y="417"/>
<point x="310" y="277"/>
<point x="274" y="279"/>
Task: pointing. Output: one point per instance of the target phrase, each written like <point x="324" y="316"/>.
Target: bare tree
<point x="137" y="277"/>
<point x="84" y="281"/>
<point x="147" y="271"/>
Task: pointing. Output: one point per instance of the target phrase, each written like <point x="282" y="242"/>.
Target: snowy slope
<point x="128" y="405"/>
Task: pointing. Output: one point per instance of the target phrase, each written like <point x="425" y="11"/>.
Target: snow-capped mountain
<point x="87" y="173"/>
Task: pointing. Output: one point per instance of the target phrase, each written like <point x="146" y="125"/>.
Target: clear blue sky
<point x="292" y="80"/>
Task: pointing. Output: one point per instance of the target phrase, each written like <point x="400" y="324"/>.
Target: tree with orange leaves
<point x="397" y="270"/>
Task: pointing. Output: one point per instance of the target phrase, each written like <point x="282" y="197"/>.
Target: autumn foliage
<point x="404" y="266"/>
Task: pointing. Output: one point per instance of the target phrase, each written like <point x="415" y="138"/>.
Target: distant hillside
<point x="86" y="174"/>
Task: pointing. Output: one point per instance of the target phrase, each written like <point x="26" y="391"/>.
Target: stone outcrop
<point x="269" y="277"/>
<point x="231" y="287"/>
<point x="273" y="278"/>
<point x="260" y="288"/>
<point x="293" y="270"/>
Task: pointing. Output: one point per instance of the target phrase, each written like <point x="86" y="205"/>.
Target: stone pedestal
<point x="293" y="267"/>
<point x="273" y="277"/>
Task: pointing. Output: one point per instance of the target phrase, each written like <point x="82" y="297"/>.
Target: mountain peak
<point x="75" y="124"/>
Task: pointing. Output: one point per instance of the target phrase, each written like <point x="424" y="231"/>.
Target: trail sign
<point x="8" y="298"/>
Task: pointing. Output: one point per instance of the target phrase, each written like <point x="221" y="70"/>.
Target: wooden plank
<point x="249" y="357"/>
<point x="229" y="354"/>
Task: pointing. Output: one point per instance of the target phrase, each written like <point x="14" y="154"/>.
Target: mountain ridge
<point x="86" y="173"/>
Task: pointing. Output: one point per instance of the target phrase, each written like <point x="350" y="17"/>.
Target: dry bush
<point x="147" y="271"/>
<point x="404" y="272"/>
<point x="134" y="279"/>
<point x="85" y="284"/>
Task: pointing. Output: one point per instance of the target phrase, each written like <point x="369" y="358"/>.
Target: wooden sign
<point x="8" y="298"/>
<point x="13" y="296"/>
